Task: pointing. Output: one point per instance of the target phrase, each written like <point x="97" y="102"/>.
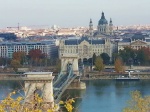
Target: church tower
<point x="111" y="27"/>
<point x="91" y="28"/>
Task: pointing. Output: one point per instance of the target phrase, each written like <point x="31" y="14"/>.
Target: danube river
<point x="106" y="95"/>
<point x="100" y="95"/>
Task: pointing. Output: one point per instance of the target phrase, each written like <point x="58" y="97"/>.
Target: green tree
<point x="138" y="103"/>
<point x="126" y="54"/>
<point x="15" y="64"/>
<point x="99" y="64"/>
<point x="119" y="65"/>
<point x="2" y="61"/>
<point x="105" y="57"/>
<point x="94" y="58"/>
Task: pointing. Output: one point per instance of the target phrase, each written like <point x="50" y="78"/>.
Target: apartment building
<point x="8" y="48"/>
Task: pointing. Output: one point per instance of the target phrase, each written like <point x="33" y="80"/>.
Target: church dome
<point x="102" y="20"/>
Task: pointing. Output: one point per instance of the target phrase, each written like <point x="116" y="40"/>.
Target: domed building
<point x="103" y="29"/>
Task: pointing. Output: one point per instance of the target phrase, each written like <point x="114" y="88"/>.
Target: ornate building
<point x="85" y="47"/>
<point x="103" y="29"/>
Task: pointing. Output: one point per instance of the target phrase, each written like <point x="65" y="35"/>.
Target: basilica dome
<point x="102" y="20"/>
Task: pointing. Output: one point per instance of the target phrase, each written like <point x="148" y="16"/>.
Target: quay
<point x="111" y="75"/>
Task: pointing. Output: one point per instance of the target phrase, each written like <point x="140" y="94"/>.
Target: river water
<point x="100" y="95"/>
<point x="106" y="95"/>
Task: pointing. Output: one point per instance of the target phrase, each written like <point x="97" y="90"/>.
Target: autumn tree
<point x="35" y="55"/>
<point x="143" y="56"/>
<point x="20" y="56"/>
<point x="11" y="104"/>
<point x="119" y="65"/>
<point x="15" y="64"/>
<point x="138" y="103"/>
<point x="99" y="63"/>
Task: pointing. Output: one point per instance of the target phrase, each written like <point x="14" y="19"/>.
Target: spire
<point x="90" y="20"/>
<point x="91" y="28"/>
<point x="102" y="17"/>
<point x="110" y="20"/>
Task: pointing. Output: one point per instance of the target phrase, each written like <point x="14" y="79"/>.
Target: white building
<point x="8" y="48"/>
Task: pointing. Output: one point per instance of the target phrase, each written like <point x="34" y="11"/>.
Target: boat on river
<point x="128" y="77"/>
<point x="131" y="78"/>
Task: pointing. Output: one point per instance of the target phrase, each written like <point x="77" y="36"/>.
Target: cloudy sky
<point x="72" y="13"/>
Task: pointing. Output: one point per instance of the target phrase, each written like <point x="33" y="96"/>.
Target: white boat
<point x="132" y="78"/>
<point x="128" y="77"/>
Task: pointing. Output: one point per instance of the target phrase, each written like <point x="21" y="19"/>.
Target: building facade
<point x="137" y="41"/>
<point x="8" y="48"/>
<point x="85" y="47"/>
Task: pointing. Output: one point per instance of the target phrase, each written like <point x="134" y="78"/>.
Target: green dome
<point x="102" y="20"/>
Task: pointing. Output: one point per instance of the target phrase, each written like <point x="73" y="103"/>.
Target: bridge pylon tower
<point x="40" y="83"/>
<point x="69" y="59"/>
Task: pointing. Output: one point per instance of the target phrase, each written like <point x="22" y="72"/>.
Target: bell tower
<point x="111" y="27"/>
<point x="91" y="28"/>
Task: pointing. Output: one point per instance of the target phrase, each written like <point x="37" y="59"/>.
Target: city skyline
<point x="68" y="13"/>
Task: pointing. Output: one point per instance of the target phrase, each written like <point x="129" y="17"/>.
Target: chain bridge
<point x="52" y="88"/>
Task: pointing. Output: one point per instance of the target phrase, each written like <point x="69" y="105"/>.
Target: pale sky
<point x="72" y="13"/>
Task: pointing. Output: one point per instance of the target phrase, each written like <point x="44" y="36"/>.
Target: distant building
<point x="8" y="36"/>
<point x="8" y="48"/>
<point x="103" y="28"/>
<point x="97" y="42"/>
<point x="85" y="47"/>
<point x="137" y="41"/>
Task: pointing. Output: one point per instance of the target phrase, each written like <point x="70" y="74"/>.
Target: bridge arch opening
<point x="38" y="92"/>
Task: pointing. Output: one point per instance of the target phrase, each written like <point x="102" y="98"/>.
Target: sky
<point x="72" y="13"/>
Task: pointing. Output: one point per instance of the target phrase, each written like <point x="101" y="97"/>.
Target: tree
<point x="15" y="64"/>
<point x="2" y="61"/>
<point x="20" y="56"/>
<point x="105" y="57"/>
<point x="99" y="63"/>
<point x="138" y="103"/>
<point x="94" y="58"/>
<point x="126" y="54"/>
<point x="143" y="55"/>
<point x="35" y="55"/>
<point x="119" y="65"/>
<point x="11" y="104"/>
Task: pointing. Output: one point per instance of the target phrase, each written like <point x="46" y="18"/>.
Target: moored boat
<point x="131" y="78"/>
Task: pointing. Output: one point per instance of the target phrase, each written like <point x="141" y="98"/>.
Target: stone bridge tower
<point x="69" y="59"/>
<point x="42" y="82"/>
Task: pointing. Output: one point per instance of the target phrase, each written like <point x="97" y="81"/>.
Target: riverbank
<point x="103" y="76"/>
